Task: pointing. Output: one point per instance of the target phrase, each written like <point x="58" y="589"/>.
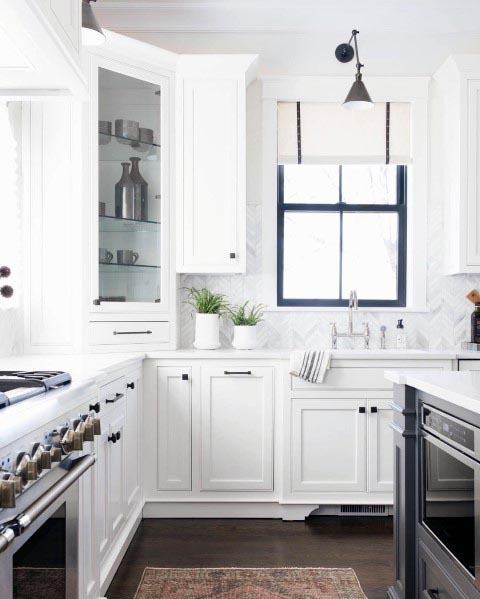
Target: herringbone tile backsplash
<point x="444" y="326"/>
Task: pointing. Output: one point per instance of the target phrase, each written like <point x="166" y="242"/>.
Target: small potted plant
<point x="208" y="307"/>
<point x="245" y="320"/>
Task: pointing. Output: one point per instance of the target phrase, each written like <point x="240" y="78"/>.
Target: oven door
<point x="39" y="545"/>
<point x="450" y="501"/>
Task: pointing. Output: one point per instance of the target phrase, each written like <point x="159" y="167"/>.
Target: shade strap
<point x="387" y="133"/>
<point x="299" y="135"/>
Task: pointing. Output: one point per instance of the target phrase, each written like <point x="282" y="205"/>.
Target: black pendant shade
<point x="92" y="34"/>
<point x="358" y="97"/>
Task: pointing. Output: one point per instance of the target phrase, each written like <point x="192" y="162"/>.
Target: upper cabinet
<point x="211" y="162"/>
<point x="40" y="47"/>
<point x="456" y="155"/>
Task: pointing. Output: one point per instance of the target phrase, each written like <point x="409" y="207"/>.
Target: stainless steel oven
<point x="450" y="486"/>
<point x="39" y="536"/>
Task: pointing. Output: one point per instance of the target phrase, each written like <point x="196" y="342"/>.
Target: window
<point x="341" y="227"/>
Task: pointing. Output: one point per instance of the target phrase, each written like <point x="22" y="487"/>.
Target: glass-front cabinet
<point x="132" y="261"/>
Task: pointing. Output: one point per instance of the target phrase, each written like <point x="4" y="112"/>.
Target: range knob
<point x="26" y="468"/>
<point x="88" y="431"/>
<point x="66" y="442"/>
<point x="7" y="493"/>
<point x="55" y="452"/>
<point x="42" y="457"/>
<point x="17" y="481"/>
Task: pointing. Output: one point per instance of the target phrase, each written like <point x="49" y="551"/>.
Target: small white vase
<point x="207" y="331"/>
<point x="244" y="337"/>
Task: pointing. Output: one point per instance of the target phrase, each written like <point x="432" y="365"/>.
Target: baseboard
<point x="230" y="509"/>
<point x="110" y="566"/>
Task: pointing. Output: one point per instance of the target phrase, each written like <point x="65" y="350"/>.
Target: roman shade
<point x="326" y="133"/>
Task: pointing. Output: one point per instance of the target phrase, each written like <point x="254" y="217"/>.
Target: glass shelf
<point x="113" y="148"/>
<point x="112" y="224"/>
<point x="126" y="268"/>
<point x="134" y="143"/>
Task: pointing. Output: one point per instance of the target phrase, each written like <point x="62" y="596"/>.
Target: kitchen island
<point x="436" y="424"/>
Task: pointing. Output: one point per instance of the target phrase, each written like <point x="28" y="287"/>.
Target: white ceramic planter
<point x="207" y="331"/>
<point x="244" y="337"/>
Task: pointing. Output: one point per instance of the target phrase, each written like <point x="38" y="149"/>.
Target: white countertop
<point x="459" y="388"/>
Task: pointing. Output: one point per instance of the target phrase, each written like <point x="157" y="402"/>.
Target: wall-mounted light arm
<point x="358" y="97"/>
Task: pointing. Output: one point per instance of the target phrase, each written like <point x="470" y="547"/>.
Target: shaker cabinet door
<point x="237" y="429"/>
<point x="380" y="443"/>
<point x="211" y="225"/>
<point x="328" y="445"/>
<point x="174" y="429"/>
<point x="133" y="438"/>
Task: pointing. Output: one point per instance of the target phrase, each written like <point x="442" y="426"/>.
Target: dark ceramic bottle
<point x="476" y="324"/>
<point x="125" y="194"/>
<point x="141" y="191"/>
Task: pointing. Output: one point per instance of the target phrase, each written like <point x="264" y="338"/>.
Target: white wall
<point x="11" y="314"/>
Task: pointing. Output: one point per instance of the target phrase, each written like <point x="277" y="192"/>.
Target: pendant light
<point x="92" y="34"/>
<point x="358" y="97"/>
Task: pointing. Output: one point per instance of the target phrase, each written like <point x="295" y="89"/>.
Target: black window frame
<point x="400" y="208"/>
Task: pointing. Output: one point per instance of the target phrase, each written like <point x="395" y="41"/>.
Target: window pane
<point x="369" y="184"/>
<point x="310" y="184"/>
<point x="311" y="255"/>
<point x="370" y="250"/>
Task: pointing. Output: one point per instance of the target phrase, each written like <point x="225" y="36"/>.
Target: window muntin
<point x="325" y="248"/>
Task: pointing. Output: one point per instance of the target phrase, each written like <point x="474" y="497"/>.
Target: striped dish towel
<point x="310" y="365"/>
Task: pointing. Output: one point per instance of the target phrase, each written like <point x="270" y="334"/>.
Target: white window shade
<point x="329" y="134"/>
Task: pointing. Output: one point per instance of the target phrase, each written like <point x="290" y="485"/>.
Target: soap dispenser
<point x="401" y="335"/>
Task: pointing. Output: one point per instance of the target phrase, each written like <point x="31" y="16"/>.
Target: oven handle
<point x="15" y="527"/>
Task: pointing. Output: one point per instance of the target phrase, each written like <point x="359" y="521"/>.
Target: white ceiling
<point x="300" y="36"/>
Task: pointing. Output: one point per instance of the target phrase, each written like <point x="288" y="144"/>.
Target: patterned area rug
<point x="248" y="583"/>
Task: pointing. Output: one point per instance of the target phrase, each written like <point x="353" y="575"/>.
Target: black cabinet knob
<point x="5" y="272"/>
<point x="113" y="438"/>
<point x="184" y="377"/>
<point x="95" y="407"/>
<point x="130" y="385"/>
<point x="373" y="409"/>
<point x="232" y="255"/>
<point x="361" y="409"/>
<point x="118" y="435"/>
<point x="6" y="291"/>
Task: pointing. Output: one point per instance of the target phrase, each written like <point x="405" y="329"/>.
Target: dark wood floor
<point x="364" y="544"/>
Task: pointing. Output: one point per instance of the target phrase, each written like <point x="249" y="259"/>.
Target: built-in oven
<point x="450" y="486"/>
<point x="39" y="536"/>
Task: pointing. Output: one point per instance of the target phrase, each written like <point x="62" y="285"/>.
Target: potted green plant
<point x="245" y="319"/>
<point x="208" y="307"/>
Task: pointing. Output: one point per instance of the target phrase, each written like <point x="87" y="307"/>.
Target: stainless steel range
<point x="39" y="490"/>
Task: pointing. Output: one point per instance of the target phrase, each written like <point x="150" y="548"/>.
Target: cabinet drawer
<point x="112" y="392"/>
<point x="433" y="581"/>
<point x="127" y="333"/>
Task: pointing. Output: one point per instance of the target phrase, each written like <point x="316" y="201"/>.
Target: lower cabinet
<point x="133" y="436"/>
<point x="328" y="445"/>
<point x="116" y="472"/>
<point x="237" y="429"/>
<point x="341" y="445"/>
<point x="223" y="417"/>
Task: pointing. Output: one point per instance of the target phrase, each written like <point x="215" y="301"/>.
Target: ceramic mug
<point x="105" y="256"/>
<point x="126" y="257"/>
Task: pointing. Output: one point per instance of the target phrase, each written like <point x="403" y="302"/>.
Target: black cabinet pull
<point x="361" y="409"/>
<point x="130" y="385"/>
<point x="373" y="409"/>
<point x="237" y="372"/>
<point x="184" y="377"/>
<point x="113" y="438"/>
<point x="116" y="398"/>
<point x="132" y="332"/>
<point x="95" y="407"/>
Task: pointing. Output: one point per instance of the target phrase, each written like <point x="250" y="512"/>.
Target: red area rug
<point x="248" y="583"/>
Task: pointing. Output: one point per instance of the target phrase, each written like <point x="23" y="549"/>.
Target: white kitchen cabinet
<point x="379" y="446"/>
<point x="174" y="441"/>
<point x="457" y="101"/>
<point x="133" y="436"/>
<point x="88" y="554"/>
<point x="116" y="473"/>
<point x="131" y="291"/>
<point x="211" y="162"/>
<point x="328" y="445"/>
<point x="237" y="428"/>
<point x="40" y="48"/>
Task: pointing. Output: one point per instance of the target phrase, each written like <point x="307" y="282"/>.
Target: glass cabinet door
<point x="129" y="180"/>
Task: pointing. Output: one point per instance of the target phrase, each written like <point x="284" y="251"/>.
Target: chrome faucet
<point x="352" y="306"/>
